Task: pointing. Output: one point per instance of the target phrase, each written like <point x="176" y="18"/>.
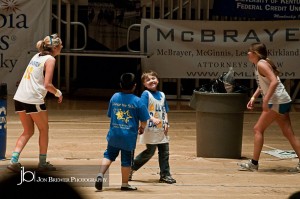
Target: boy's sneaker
<point x="248" y="166"/>
<point x="167" y="179"/>
<point x="296" y="169"/>
<point x="15" y="167"/>
<point x="99" y="183"/>
<point x="130" y="174"/>
<point x="129" y="188"/>
<point x="46" y="167"/>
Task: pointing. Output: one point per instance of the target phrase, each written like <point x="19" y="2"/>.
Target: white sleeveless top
<point x="280" y="95"/>
<point x="31" y="89"/>
<point x="155" y="134"/>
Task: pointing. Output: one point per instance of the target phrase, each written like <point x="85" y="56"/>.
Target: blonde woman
<point x="29" y="100"/>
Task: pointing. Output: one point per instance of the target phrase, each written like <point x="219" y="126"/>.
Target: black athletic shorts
<point x="29" y="108"/>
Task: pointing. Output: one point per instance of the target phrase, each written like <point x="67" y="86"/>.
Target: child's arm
<point x="166" y="128"/>
<point x="142" y="127"/>
<point x="155" y="121"/>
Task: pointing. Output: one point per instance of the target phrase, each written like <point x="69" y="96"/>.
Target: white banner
<point x="22" y="24"/>
<point x="205" y="49"/>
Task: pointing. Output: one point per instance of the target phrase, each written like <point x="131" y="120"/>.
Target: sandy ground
<point x="77" y="141"/>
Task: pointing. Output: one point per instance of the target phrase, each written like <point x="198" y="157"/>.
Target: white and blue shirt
<point x="31" y="89"/>
<point x="158" y="108"/>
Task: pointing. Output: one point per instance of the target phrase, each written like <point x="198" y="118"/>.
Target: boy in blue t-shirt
<point x="125" y="112"/>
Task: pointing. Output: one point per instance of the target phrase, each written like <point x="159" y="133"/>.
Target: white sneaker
<point x="296" y="169"/>
<point x="248" y="166"/>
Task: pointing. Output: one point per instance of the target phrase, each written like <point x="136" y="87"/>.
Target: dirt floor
<point x="77" y="141"/>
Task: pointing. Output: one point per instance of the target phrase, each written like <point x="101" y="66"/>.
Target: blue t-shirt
<point x="156" y="95"/>
<point x="125" y="112"/>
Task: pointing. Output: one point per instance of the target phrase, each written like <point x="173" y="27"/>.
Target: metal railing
<point x="79" y="24"/>
<point x="75" y="52"/>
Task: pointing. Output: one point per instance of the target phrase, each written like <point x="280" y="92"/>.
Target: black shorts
<point x="29" y="108"/>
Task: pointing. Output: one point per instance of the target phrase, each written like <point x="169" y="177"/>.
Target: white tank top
<point x="155" y="134"/>
<point x="280" y="95"/>
<point x="31" y="89"/>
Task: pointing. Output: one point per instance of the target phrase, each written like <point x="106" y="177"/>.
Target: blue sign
<point x="258" y="9"/>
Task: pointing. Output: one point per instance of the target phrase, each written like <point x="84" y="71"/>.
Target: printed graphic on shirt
<point x="157" y="111"/>
<point x="28" y="72"/>
<point x="30" y="68"/>
<point x="123" y="115"/>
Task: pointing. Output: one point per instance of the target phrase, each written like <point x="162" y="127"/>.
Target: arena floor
<point x="77" y="141"/>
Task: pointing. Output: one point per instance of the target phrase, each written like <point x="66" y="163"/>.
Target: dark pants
<point x="146" y="155"/>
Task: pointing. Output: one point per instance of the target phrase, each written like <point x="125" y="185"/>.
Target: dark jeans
<point x="146" y="155"/>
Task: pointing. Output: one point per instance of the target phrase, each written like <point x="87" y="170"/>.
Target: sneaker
<point x="167" y="179"/>
<point x="99" y="183"/>
<point x="130" y="174"/>
<point x="248" y="166"/>
<point x="46" y="167"/>
<point x="15" y="167"/>
<point x="296" y="169"/>
<point x="129" y="188"/>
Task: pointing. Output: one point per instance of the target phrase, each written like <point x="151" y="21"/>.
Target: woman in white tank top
<point x="29" y="100"/>
<point x="276" y="104"/>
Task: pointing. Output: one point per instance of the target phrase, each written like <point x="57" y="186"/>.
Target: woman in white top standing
<point x="29" y="100"/>
<point x="276" y="104"/>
